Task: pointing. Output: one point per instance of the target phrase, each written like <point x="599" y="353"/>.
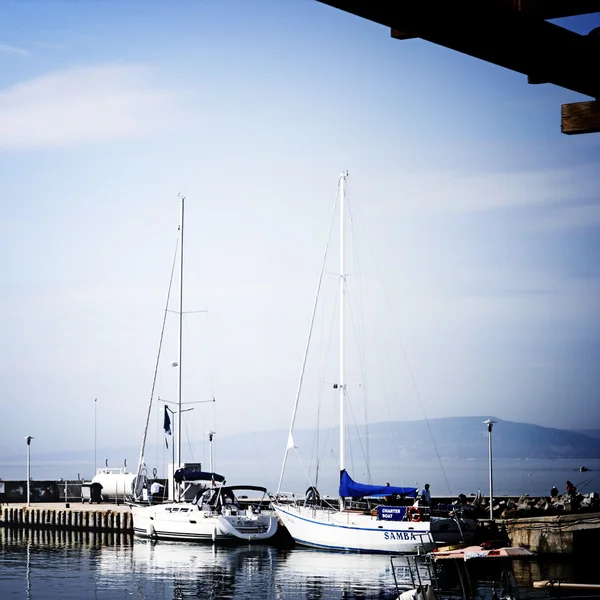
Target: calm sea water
<point x="512" y="477"/>
<point x="40" y="565"/>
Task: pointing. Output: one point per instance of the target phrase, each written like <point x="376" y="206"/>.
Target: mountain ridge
<point x="445" y="437"/>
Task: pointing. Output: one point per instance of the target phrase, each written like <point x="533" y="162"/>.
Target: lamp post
<point x="95" y="433"/>
<point x="490" y="425"/>
<point x="28" y="440"/>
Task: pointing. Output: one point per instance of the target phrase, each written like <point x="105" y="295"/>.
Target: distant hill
<point x="467" y="437"/>
<point x="594" y="433"/>
<point x="453" y="437"/>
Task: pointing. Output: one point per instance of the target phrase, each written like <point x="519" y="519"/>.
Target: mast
<point x="178" y="456"/>
<point x="342" y="382"/>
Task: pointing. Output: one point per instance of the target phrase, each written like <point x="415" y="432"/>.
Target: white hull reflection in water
<point x="265" y="571"/>
<point x="44" y="565"/>
<point x="357" y="575"/>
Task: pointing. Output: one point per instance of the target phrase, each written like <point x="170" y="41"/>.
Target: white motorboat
<point x="214" y="515"/>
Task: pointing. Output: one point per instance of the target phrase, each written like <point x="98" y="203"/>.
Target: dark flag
<point x="167" y="422"/>
<point x="167" y="425"/>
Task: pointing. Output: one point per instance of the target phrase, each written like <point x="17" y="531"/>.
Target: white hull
<point x="347" y="530"/>
<point x="182" y="521"/>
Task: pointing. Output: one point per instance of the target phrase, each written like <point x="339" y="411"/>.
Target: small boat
<point x="557" y="584"/>
<point x="214" y="513"/>
<point x="470" y="552"/>
<point x="462" y="561"/>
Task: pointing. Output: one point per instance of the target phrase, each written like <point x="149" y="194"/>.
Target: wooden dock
<point x="114" y="518"/>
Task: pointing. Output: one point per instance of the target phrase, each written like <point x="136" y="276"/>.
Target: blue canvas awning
<point x="352" y="489"/>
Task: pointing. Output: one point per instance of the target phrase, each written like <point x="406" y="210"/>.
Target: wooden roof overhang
<point x="514" y="34"/>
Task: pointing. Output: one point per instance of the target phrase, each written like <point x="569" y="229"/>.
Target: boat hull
<point x="188" y="523"/>
<point x="445" y="530"/>
<point x="355" y="531"/>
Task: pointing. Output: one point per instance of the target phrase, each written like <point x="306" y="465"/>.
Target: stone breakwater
<point x="113" y="519"/>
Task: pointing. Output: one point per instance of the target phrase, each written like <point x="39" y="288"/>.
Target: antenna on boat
<point x="342" y="383"/>
<point x="178" y="456"/>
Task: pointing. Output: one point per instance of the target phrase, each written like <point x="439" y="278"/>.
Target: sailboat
<point x="346" y="524"/>
<point x="213" y="512"/>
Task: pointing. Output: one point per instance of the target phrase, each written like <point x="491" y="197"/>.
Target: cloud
<point x="83" y="105"/>
<point x="13" y="50"/>
<point x="572" y="216"/>
<point x="571" y="190"/>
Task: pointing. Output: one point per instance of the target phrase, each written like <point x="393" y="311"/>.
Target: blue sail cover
<point x="190" y="475"/>
<point x="351" y="489"/>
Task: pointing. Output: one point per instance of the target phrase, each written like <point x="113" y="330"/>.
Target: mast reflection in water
<point x="44" y="564"/>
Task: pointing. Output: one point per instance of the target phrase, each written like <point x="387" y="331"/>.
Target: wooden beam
<point x="580" y="117"/>
<point x="543" y="9"/>
<point x="402" y="34"/>
<point x="556" y="9"/>
<point x="483" y="29"/>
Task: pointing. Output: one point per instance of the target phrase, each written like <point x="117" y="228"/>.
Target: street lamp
<point x="28" y="440"/>
<point x="490" y="425"/>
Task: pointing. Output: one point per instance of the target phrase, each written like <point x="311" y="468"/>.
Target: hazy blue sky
<point x="484" y="218"/>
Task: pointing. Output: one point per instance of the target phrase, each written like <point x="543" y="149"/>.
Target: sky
<point x="484" y="219"/>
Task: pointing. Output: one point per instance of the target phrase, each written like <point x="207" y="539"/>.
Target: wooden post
<point x="580" y="117"/>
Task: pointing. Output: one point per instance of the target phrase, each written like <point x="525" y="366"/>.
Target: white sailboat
<point x="342" y="525"/>
<point x="214" y="513"/>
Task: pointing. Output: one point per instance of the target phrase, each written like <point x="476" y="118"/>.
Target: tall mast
<point x="178" y="457"/>
<point x="342" y="382"/>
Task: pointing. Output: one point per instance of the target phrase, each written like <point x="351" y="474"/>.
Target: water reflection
<point x="206" y="571"/>
<point x="62" y="538"/>
<point x="46" y="564"/>
<point x="28" y="571"/>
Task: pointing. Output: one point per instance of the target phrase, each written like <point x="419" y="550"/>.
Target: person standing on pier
<point x="425" y="495"/>
<point x="155" y="491"/>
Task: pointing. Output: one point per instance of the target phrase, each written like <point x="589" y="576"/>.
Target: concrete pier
<point x="78" y="517"/>
<point x="559" y="534"/>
